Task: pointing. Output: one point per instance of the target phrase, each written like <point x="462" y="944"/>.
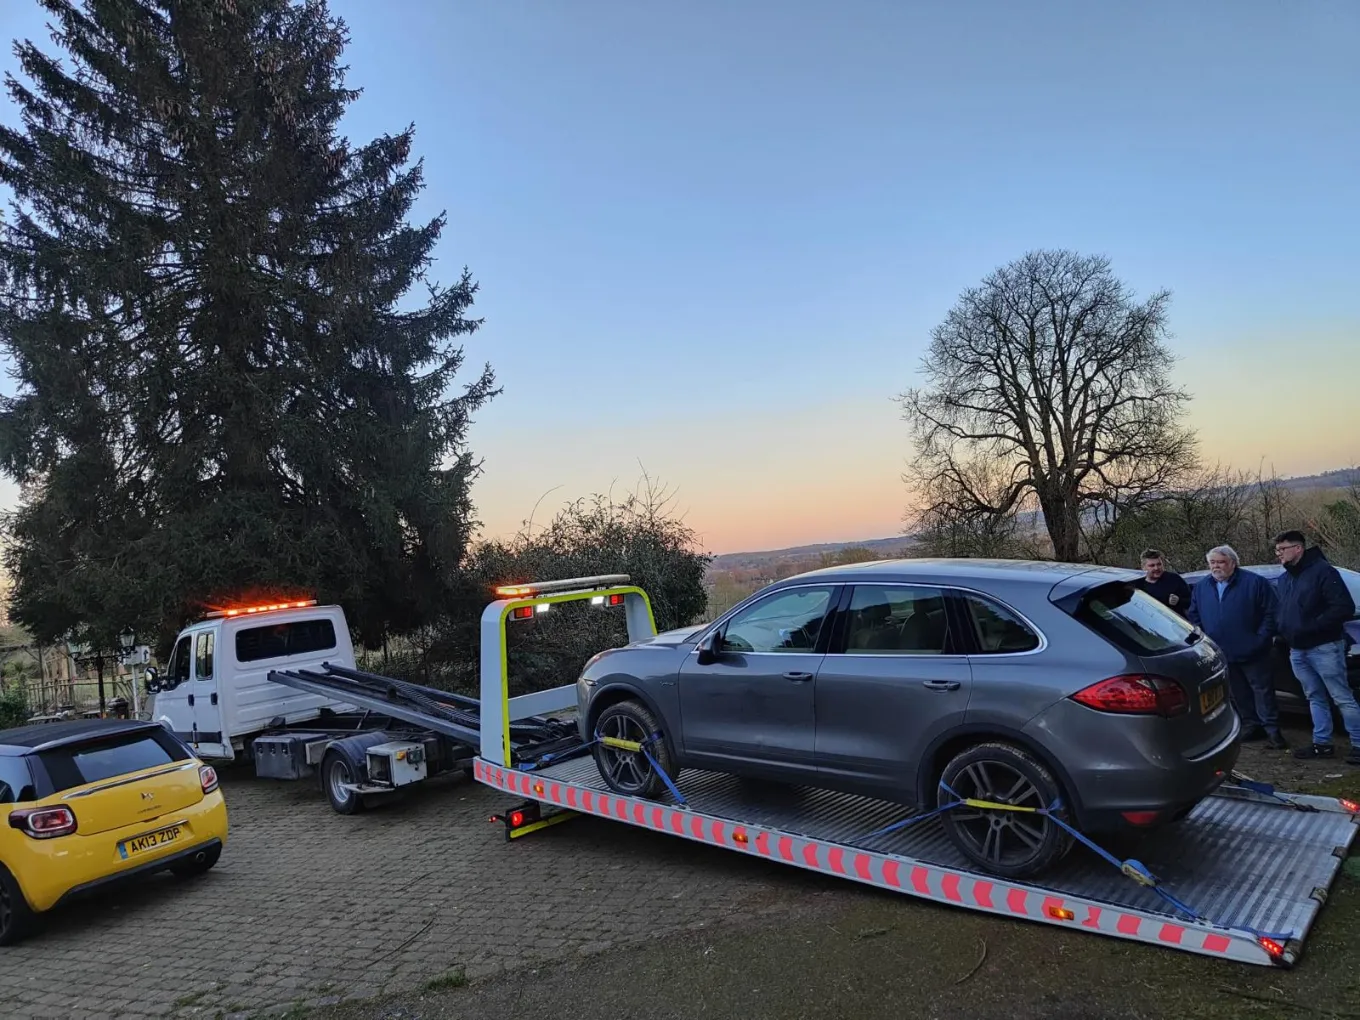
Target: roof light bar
<point x="533" y="588"/>
<point x="252" y="610"/>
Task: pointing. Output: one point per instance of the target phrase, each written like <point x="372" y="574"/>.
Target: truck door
<point x="207" y="714"/>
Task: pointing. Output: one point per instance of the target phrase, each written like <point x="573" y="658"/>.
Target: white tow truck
<point x="276" y="685"/>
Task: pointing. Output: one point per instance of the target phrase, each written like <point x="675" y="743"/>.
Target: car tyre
<point x="629" y="772"/>
<point x="17" y="919"/>
<point x="193" y="868"/>
<point x="1010" y="844"/>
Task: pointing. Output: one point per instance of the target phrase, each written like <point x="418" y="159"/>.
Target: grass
<point x="455" y="978"/>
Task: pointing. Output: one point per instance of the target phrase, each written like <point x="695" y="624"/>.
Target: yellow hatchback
<point x="88" y="803"/>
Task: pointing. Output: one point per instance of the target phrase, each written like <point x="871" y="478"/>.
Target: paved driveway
<point x="307" y="906"/>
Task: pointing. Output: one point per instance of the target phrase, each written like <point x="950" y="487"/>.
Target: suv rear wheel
<point x="1012" y="844"/>
<point x="629" y="772"/>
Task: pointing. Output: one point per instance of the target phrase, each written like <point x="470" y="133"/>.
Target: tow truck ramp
<point x="1242" y="877"/>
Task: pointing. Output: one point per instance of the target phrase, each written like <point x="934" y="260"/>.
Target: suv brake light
<point x="43" y="823"/>
<point x="207" y="776"/>
<point x="1136" y="694"/>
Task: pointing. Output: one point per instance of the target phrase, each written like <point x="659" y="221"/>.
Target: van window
<point x="16" y="782"/>
<point x="108" y="758"/>
<point x="203" y="666"/>
<point x="177" y="669"/>
<point x="298" y="637"/>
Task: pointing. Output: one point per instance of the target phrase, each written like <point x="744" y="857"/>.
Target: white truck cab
<point x="215" y="693"/>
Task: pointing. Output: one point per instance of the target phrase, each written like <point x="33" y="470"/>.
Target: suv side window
<point x="897" y="620"/>
<point x="784" y="621"/>
<point x="999" y="631"/>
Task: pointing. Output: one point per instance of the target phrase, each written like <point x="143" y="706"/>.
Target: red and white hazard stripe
<point x="899" y="874"/>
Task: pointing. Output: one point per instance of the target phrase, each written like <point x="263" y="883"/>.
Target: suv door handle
<point x="798" y="678"/>
<point x="941" y="685"/>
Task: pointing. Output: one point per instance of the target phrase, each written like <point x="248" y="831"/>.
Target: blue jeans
<point x="1253" y="694"/>
<point x="1322" y="674"/>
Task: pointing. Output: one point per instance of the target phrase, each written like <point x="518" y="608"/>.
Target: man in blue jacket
<point x="1236" y="608"/>
<point x="1314" y="607"/>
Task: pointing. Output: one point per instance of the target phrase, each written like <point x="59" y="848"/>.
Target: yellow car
<point x="87" y="803"/>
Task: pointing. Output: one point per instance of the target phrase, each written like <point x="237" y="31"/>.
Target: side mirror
<point x="153" y="680"/>
<point x="709" y="648"/>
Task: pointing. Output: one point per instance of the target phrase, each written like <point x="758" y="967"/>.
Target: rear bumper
<point x="1115" y="767"/>
<point x="140" y="871"/>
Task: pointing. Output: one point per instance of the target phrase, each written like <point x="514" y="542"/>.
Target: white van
<point x="215" y="693"/>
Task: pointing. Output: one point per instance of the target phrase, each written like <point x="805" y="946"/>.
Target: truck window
<point x="96" y="760"/>
<point x="298" y="637"/>
<point x="16" y="782"/>
<point x="203" y="666"/>
<point x="177" y="669"/>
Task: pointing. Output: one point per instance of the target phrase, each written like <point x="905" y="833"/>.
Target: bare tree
<point x="1050" y="374"/>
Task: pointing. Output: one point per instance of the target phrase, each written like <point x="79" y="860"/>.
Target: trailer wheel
<point x="1011" y="844"/>
<point x="338" y="766"/>
<point x="629" y="772"/>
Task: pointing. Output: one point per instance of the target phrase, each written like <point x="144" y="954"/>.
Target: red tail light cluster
<point x="43" y="823"/>
<point x="207" y="775"/>
<point x="1136" y="694"/>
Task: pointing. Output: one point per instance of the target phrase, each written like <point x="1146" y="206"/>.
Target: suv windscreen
<point x="1134" y="620"/>
<point x="96" y="760"/>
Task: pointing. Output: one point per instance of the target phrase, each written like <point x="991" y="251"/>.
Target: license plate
<point x="1210" y="699"/>
<point x="150" y="841"/>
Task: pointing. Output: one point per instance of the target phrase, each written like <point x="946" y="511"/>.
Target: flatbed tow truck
<point x="1242" y="878"/>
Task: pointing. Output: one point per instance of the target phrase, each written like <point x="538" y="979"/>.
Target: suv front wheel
<point x="629" y="772"/>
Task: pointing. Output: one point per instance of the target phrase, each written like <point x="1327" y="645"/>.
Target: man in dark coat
<point x="1314" y="607"/>
<point x="1166" y="586"/>
<point x="1236" y="608"/>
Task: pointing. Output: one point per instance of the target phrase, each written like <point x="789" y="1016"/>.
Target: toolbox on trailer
<point x="1243" y="877"/>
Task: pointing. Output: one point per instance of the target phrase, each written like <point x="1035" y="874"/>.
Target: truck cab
<point x="215" y="693"/>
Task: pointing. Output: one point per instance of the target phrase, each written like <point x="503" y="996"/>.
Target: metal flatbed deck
<point x="1244" y="862"/>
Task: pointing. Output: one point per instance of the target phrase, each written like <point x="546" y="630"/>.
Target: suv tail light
<point x="43" y="823"/>
<point x="207" y="776"/>
<point x="1136" y="694"/>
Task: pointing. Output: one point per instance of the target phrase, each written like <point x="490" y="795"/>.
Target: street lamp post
<point x="128" y="638"/>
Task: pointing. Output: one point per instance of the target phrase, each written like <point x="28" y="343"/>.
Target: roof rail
<point x="532" y="588"/>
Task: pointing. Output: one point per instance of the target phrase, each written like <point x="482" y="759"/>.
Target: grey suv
<point x="1019" y="682"/>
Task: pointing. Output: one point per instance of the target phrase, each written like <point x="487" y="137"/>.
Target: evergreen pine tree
<point x="225" y="391"/>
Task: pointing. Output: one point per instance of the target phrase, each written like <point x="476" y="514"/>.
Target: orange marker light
<point x="1061" y="914"/>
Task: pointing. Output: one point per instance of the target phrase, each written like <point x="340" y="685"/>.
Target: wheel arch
<point x="959" y="739"/>
<point x="615" y="689"/>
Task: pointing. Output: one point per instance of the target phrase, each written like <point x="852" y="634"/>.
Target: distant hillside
<point x="768" y="559"/>
<point x="888" y="547"/>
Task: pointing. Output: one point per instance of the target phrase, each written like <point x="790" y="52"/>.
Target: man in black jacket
<point x="1166" y="586"/>
<point x="1314" y="605"/>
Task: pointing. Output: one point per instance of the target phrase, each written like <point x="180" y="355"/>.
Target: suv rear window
<point x="94" y="761"/>
<point x="1134" y="620"/>
<point x="296" y="638"/>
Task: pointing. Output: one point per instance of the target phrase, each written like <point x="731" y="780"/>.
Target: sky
<point x="712" y="238"/>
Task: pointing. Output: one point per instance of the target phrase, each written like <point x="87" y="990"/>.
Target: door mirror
<point x="153" y="680"/>
<point x="710" y="648"/>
